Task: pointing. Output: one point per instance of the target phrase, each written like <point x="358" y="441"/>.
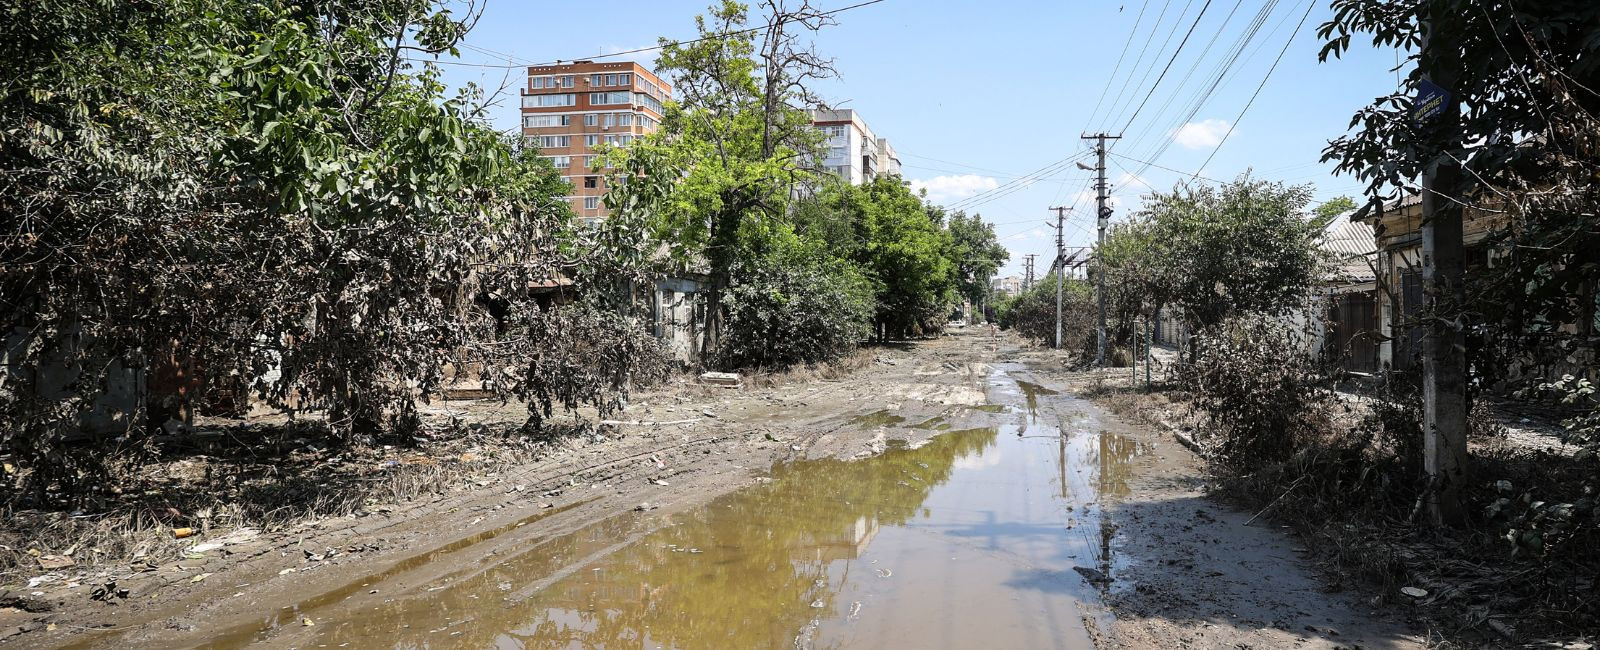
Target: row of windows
<point x="563" y="162"/>
<point x="650" y="88"/>
<point x="614" y="97"/>
<point x="649" y="102"/>
<point x="554" y="141"/>
<point x="564" y="99"/>
<point x="610" y="79"/>
<point x="595" y="99"/>
<point x="621" y="140"/>
<point x="833" y="131"/>
<point x="563" y="81"/>
<point x="591" y="119"/>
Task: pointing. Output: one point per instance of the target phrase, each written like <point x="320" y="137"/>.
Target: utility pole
<point x="1060" y="267"/>
<point x="1102" y="218"/>
<point x="1444" y="363"/>
<point x="1027" y="276"/>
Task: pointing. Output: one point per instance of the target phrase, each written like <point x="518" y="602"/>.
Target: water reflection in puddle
<point x="969" y="540"/>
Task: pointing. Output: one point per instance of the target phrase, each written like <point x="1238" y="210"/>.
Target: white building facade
<point x="851" y="150"/>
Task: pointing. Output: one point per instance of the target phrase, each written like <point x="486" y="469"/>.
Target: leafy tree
<point x="735" y="136"/>
<point x="792" y="302"/>
<point x="976" y="252"/>
<point x="906" y="254"/>
<point x="1334" y="207"/>
<point x="265" y="195"/>
<point x="1216" y="252"/>
<point x="1525" y="82"/>
<point x="1141" y="276"/>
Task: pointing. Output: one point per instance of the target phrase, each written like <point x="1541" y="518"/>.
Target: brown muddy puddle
<point x="974" y="539"/>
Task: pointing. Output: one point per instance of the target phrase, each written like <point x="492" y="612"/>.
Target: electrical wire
<point x="608" y="55"/>
<point x="1259" y="86"/>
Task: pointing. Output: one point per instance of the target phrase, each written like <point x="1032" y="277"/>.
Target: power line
<point x="1114" y="69"/>
<point x="1261" y="85"/>
<point x="608" y="55"/>
<point x="1167" y="4"/>
<point x="1012" y="186"/>
<point x="1168" y="67"/>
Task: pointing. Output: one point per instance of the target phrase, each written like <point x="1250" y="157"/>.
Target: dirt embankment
<point x="670" y="450"/>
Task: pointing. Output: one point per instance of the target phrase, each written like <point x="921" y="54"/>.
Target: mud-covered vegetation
<point x="1342" y="459"/>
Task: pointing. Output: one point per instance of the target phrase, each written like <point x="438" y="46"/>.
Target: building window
<point x="591" y="182"/>
<point x="611" y="80"/>
<point x="591" y="140"/>
<point x="566" y="81"/>
<point x="624" y="79"/>
<point x="589" y="119"/>
<point x="611" y="120"/>
<point x="601" y="99"/>
<point x="537" y="121"/>
<point x="535" y="101"/>
<point x="594" y="79"/>
<point x="591" y="203"/>
<point x="624" y="119"/>
<point x="647" y="101"/>
<point x="560" y="162"/>
<point x="555" y="141"/>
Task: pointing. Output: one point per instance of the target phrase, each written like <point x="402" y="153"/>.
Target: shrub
<point x="794" y="305"/>
<point x="1265" y="395"/>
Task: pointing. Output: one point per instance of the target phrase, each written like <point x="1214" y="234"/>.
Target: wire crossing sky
<point x="985" y="102"/>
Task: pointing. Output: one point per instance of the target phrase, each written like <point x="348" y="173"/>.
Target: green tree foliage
<point x="1032" y="314"/>
<point x="792" y="302"/>
<point x="905" y="253"/>
<point x="736" y="136"/>
<point x="1139" y="276"/>
<point x="1526" y="133"/>
<point x="977" y="254"/>
<point x="209" y="193"/>
<point x="1327" y="210"/>
<point x="1244" y="247"/>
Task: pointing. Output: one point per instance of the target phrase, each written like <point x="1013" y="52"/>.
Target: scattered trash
<point x="307" y="622"/>
<point x="1414" y="592"/>
<point x="106" y="592"/>
<point x="180" y="533"/>
<point x="49" y="562"/>
<point x="287" y="571"/>
<point x="199" y="578"/>
<point x="884" y="573"/>
<point x="656" y="481"/>
<point x="643" y="507"/>
<point x="855" y="610"/>
<point x="236" y="537"/>
<point x="730" y="379"/>
<point x="818" y="604"/>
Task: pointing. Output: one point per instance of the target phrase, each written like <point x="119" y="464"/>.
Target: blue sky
<point x="981" y="96"/>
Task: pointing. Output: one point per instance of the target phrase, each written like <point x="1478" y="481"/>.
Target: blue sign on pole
<point x="1430" y="102"/>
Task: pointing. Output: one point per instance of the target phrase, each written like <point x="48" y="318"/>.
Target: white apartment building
<point x="852" y="150"/>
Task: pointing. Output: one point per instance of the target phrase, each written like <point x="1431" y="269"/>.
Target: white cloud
<point x="947" y="188"/>
<point x="1202" y="134"/>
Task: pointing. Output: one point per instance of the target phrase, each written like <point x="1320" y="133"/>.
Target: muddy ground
<point x="1188" y="572"/>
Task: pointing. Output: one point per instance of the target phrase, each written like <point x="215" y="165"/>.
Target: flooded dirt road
<point x="957" y="493"/>
<point x="988" y="536"/>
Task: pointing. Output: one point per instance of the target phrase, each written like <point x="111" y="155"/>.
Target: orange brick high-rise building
<point x="569" y="109"/>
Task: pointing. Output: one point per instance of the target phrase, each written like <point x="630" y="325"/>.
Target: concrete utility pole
<point x="1027" y="275"/>
<point x="1444" y="362"/>
<point x="1060" y="266"/>
<point x="1103" y="217"/>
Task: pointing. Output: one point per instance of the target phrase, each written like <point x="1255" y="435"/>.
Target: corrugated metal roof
<point x="1353" y="247"/>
